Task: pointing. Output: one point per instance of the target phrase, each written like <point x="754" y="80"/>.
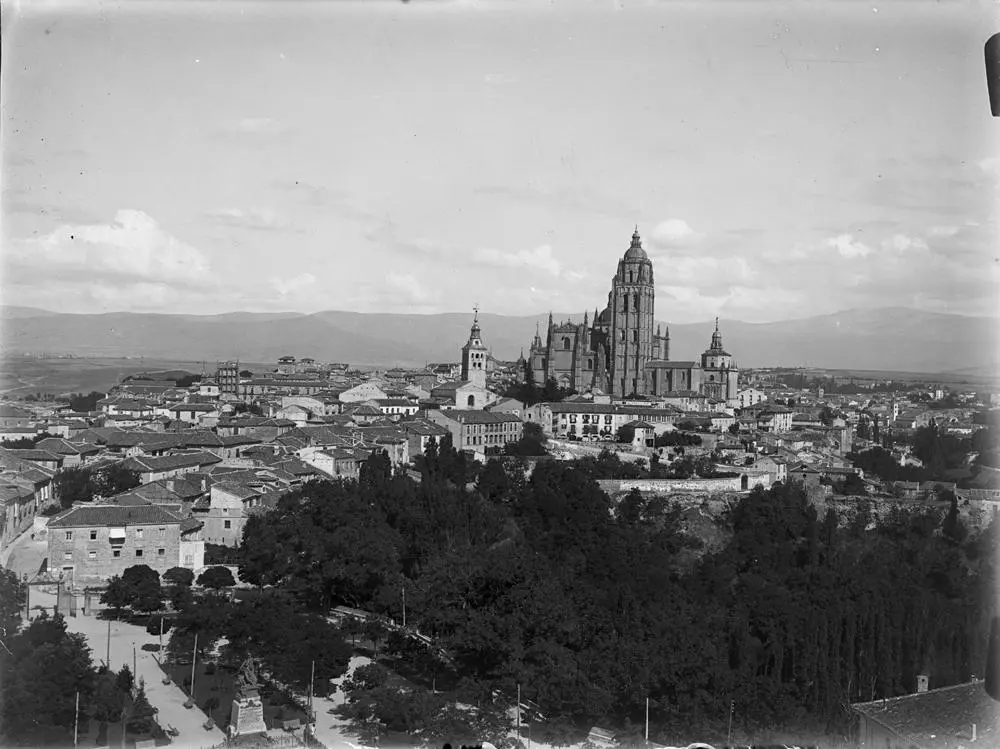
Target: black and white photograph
<point x="500" y="374"/>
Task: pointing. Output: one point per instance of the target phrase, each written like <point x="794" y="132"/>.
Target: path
<point x="126" y="641"/>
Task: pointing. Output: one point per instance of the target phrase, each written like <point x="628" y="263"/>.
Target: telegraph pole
<point x="647" y="720"/>
<point x="312" y="680"/>
<point x="194" y="660"/>
<point x="518" y="712"/>
<point x="76" y="721"/>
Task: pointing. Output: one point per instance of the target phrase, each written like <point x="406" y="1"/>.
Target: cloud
<point x="292" y="285"/>
<point x="540" y="258"/>
<point x="847" y="246"/>
<point x="903" y="243"/>
<point x="944" y="231"/>
<point x="262" y="220"/>
<point x="673" y="232"/>
<point x="133" y="247"/>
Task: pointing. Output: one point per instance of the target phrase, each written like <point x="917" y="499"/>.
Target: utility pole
<point x="312" y="680"/>
<point x="404" y="604"/>
<point x="518" y="712"/>
<point x="647" y="720"/>
<point x="135" y="671"/>
<point x="76" y="721"/>
<point x="108" y="655"/>
<point x="732" y="708"/>
<point x="160" y="651"/>
<point x="194" y="660"/>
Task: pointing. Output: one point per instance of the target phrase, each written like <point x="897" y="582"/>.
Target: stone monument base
<point x="247" y="716"/>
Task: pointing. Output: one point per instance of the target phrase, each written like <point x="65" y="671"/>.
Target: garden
<point x="215" y="688"/>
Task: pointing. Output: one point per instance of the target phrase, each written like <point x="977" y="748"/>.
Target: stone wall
<point x="669" y="486"/>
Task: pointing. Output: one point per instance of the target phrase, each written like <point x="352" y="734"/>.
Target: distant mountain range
<point x="890" y="339"/>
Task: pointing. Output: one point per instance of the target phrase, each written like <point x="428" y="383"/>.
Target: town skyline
<point x="440" y="156"/>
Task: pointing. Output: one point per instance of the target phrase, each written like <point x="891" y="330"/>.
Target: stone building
<point x="622" y="351"/>
<point x="96" y="541"/>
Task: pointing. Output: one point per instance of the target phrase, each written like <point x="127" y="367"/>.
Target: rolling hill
<point x="881" y="339"/>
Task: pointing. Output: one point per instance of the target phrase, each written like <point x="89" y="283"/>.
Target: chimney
<point x="922" y="681"/>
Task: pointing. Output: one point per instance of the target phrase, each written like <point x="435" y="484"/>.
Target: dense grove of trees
<point x="42" y="668"/>
<point x="540" y="582"/>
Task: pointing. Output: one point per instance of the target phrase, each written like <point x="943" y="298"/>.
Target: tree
<point x="493" y="482"/>
<point x="73" y="485"/>
<point x="116" y="595"/>
<point x="12" y="600"/>
<point x="109" y="700"/>
<point x="39" y="681"/>
<point x="141" y="717"/>
<point x="217" y="578"/>
<point x="144" y="591"/>
<point x="179" y="576"/>
<point x="85" y="403"/>
<point x="532" y="442"/>
<point x="248" y="408"/>
<point x="115" y="479"/>
<point x="826" y="416"/>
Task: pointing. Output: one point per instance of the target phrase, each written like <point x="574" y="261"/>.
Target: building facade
<point x="622" y="351"/>
<point x="97" y="541"/>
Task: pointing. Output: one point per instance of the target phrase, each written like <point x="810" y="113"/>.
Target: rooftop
<point x="939" y="718"/>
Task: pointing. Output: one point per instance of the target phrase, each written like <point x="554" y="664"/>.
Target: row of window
<point x="489" y="439"/>
<point x="116" y="553"/>
<point x="93" y="533"/>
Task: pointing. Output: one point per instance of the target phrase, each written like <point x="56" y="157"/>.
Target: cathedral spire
<point x="585" y="321"/>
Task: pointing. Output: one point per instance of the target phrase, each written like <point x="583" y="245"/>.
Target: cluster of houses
<point x="212" y="454"/>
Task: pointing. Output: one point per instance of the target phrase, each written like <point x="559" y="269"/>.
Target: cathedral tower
<point x="474" y="355"/>
<point x="631" y="314"/>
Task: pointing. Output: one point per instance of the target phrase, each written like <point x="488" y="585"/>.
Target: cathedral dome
<point x="635" y="251"/>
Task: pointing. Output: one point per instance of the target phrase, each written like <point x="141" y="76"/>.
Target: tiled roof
<point x="35" y="455"/>
<point x="104" y="515"/>
<point x="481" y="417"/>
<point x="146" y="464"/>
<point x="939" y="718"/>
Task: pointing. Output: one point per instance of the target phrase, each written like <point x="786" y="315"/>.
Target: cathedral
<point x="620" y="354"/>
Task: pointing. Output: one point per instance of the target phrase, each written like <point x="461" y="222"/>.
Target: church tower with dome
<point x="620" y="353"/>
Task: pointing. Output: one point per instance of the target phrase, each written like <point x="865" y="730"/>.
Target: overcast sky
<point x="781" y="160"/>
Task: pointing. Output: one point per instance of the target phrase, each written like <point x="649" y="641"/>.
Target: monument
<point x="247" y="716"/>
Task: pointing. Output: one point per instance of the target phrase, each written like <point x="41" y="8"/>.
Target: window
<point x="92" y="555"/>
<point x="162" y="530"/>
<point x="635" y="302"/>
<point x="472" y="400"/>
<point x="566" y="344"/>
<point x="138" y="553"/>
<point x="93" y="535"/>
<point x="69" y="535"/>
<point x="116" y="553"/>
<point x="635" y="336"/>
<point x="161" y="552"/>
<point x="625" y="303"/>
<point x="138" y="532"/>
<point x="228" y="524"/>
<point x="67" y="556"/>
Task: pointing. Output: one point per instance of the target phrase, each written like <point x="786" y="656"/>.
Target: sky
<point x="780" y="160"/>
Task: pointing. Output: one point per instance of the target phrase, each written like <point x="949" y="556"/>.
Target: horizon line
<point x="470" y="313"/>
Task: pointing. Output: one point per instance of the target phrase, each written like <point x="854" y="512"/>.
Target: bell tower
<point x="475" y="355"/>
